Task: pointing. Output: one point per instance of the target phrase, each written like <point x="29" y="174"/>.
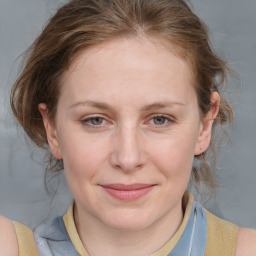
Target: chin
<point x="129" y="221"/>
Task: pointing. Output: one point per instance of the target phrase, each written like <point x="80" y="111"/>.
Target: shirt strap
<point x="26" y="241"/>
<point x="69" y="222"/>
<point x="187" y="202"/>
<point x="221" y="236"/>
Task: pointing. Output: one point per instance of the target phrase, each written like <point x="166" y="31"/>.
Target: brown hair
<point x="82" y="23"/>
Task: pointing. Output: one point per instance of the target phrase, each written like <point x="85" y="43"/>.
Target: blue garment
<point x="193" y="239"/>
<point x="53" y="240"/>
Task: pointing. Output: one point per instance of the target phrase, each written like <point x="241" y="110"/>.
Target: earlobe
<point x="205" y="130"/>
<point x="50" y="131"/>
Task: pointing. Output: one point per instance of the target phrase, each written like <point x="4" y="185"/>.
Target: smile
<point x="128" y="192"/>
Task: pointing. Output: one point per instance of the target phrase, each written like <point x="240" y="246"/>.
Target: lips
<point x="128" y="192"/>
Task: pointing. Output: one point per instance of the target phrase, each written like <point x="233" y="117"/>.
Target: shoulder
<point x="246" y="242"/>
<point x="221" y="236"/>
<point x="8" y="238"/>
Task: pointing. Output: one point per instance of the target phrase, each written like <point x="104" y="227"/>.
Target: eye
<point x="96" y="120"/>
<point x="160" y="120"/>
<point x="93" y="122"/>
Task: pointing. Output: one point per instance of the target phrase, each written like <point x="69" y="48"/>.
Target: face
<point x="127" y="127"/>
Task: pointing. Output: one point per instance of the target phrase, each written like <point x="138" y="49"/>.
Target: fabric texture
<point x="26" y="241"/>
<point x="221" y="236"/>
<point x="200" y="233"/>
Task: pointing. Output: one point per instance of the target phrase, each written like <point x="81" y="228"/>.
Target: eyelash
<point x="167" y="122"/>
<point x="87" y="121"/>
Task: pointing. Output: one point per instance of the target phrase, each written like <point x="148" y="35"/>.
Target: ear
<point x="205" y="130"/>
<point x="50" y="131"/>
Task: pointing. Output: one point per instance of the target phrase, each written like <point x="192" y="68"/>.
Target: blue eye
<point x="94" y="121"/>
<point x="160" y="120"/>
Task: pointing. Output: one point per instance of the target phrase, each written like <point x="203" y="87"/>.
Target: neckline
<point x="69" y="222"/>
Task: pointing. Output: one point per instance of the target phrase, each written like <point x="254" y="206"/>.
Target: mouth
<point x="128" y="192"/>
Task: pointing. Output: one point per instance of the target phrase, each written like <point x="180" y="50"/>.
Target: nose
<point x="128" y="154"/>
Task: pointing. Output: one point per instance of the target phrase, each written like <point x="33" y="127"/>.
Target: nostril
<point x="127" y="154"/>
<point x="127" y="161"/>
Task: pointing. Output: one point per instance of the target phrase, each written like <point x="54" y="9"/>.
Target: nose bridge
<point x="128" y="151"/>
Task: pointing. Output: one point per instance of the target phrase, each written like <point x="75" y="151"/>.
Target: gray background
<point x="233" y="30"/>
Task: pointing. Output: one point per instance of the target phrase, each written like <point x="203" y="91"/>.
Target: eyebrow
<point x="161" y="105"/>
<point x="105" y="106"/>
<point x="95" y="104"/>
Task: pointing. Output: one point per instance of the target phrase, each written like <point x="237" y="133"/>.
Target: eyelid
<point x="169" y="118"/>
<point x="86" y="119"/>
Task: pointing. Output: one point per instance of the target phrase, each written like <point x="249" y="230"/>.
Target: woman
<point x="126" y="93"/>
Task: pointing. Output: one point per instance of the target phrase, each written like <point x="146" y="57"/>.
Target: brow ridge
<point x="106" y="106"/>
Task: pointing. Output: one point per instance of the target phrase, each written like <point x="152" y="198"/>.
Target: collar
<point x="69" y="222"/>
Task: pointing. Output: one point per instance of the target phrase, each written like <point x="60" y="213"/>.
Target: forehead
<point x="131" y="66"/>
<point x="130" y="48"/>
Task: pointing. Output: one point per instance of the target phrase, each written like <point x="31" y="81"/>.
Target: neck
<point x="100" y="239"/>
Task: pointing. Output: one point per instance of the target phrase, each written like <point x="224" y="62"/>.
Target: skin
<point x="131" y="145"/>
<point x="246" y="242"/>
<point x="130" y="81"/>
<point x="9" y="244"/>
<point x="8" y="239"/>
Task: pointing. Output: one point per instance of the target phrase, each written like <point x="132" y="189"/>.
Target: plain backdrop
<point x="233" y="32"/>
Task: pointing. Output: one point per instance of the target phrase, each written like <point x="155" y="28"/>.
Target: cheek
<point x="174" y="154"/>
<point x="82" y="155"/>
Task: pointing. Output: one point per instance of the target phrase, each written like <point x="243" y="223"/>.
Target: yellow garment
<point x="26" y="241"/>
<point x="69" y="222"/>
<point x="221" y="235"/>
<point x="71" y="228"/>
<point x="167" y="248"/>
